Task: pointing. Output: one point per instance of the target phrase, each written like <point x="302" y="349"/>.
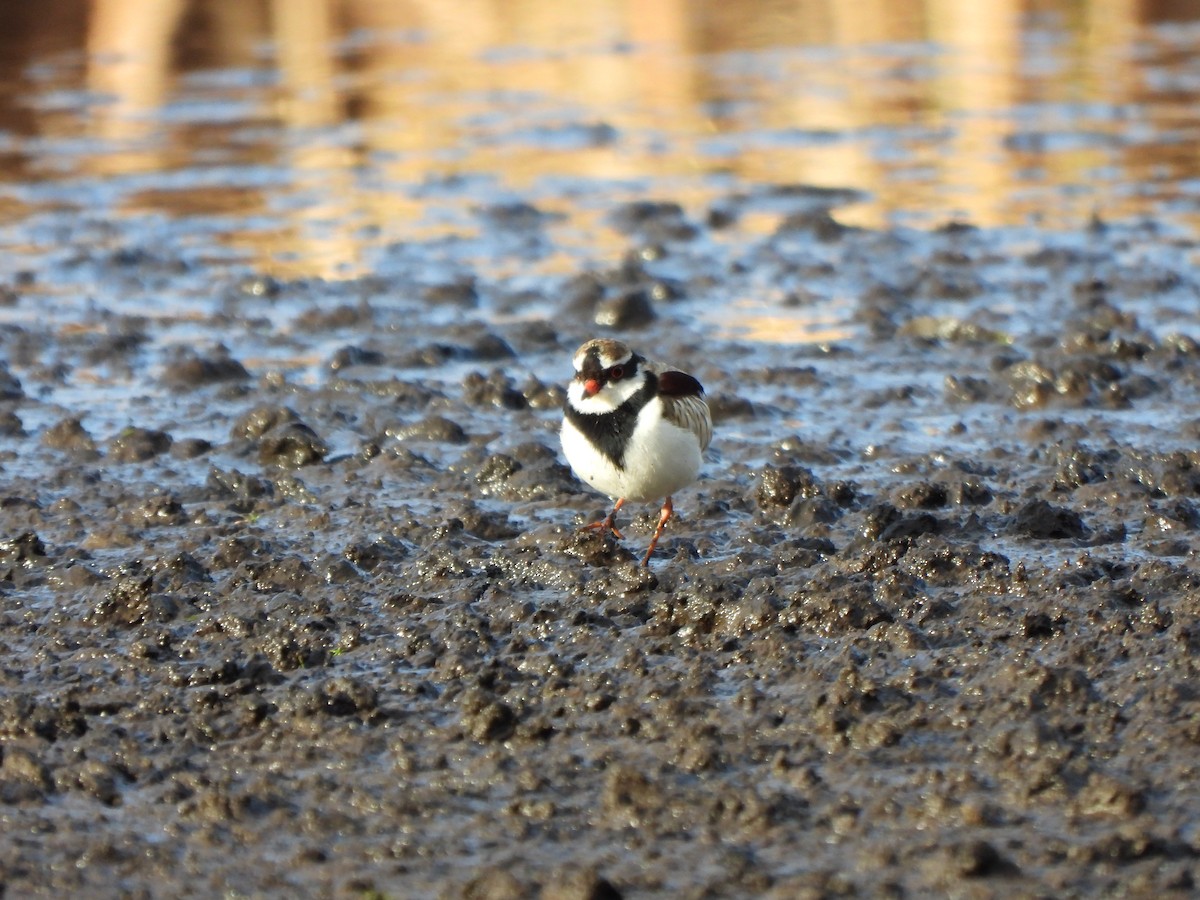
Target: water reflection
<point x="994" y="112"/>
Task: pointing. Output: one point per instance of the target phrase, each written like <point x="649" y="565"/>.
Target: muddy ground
<point x="295" y="601"/>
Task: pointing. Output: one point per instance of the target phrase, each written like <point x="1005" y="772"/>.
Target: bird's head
<point x="607" y="373"/>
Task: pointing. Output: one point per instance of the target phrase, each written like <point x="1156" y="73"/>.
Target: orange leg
<point x="606" y="524"/>
<point x="663" y="517"/>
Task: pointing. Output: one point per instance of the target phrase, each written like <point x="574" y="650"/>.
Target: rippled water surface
<point x="305" y="137"/>
<point x="332" y="139"/>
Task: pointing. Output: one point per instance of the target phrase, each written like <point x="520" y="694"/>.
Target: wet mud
<point x="295" y="599"/>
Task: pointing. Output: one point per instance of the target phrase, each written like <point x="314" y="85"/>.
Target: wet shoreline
<point x="309" y="611"/>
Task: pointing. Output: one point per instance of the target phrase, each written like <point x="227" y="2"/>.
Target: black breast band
<point x="611" y="431"/>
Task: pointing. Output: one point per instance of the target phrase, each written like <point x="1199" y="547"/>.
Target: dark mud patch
<point x="304" y="608"/>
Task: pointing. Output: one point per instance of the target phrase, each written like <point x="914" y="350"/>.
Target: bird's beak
<point x="591" y="387"/>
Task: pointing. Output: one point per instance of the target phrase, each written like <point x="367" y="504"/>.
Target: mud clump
<point x="656" y="220"/>
<point x="10" y="385"/>
<point x="192" y="370"/>
<point x="70" y="436"/>
<point x="138" y="445"/>
<point x="629" y="309"/>
<point x="1039" y="519"/>
<point x="291" y="446"/>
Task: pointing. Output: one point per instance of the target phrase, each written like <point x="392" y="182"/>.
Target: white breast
<point x="660" y="459"/>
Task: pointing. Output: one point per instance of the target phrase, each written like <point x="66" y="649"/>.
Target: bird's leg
<point x="606" y="524"/>
<point x="663" y="517"/>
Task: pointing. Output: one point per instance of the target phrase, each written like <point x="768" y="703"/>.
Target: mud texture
<point x="303" y="608"/>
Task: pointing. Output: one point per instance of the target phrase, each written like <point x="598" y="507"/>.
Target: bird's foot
<point x="605" y="524"/>
<point x="608" y="523"/>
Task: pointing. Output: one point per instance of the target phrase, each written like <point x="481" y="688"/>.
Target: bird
<point x="633" y="429"/>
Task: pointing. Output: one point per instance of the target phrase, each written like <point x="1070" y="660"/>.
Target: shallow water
<point x="294" y="600"/>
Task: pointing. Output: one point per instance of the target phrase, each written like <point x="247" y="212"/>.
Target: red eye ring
<point x="616" y="372"/>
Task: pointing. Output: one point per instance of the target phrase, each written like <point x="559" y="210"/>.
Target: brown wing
<point x="678" y="384"/>
<point x="683" y="404"/>
<point x="690" y="413"/>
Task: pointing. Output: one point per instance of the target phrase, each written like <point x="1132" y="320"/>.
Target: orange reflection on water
<point x="748" y="322"/>
<point x="976" y="110"/>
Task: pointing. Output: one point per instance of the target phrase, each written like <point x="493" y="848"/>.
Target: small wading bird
<point x="633" y="429"/>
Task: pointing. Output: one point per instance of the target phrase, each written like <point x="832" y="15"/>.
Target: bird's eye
<point x="616" y="373"/>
